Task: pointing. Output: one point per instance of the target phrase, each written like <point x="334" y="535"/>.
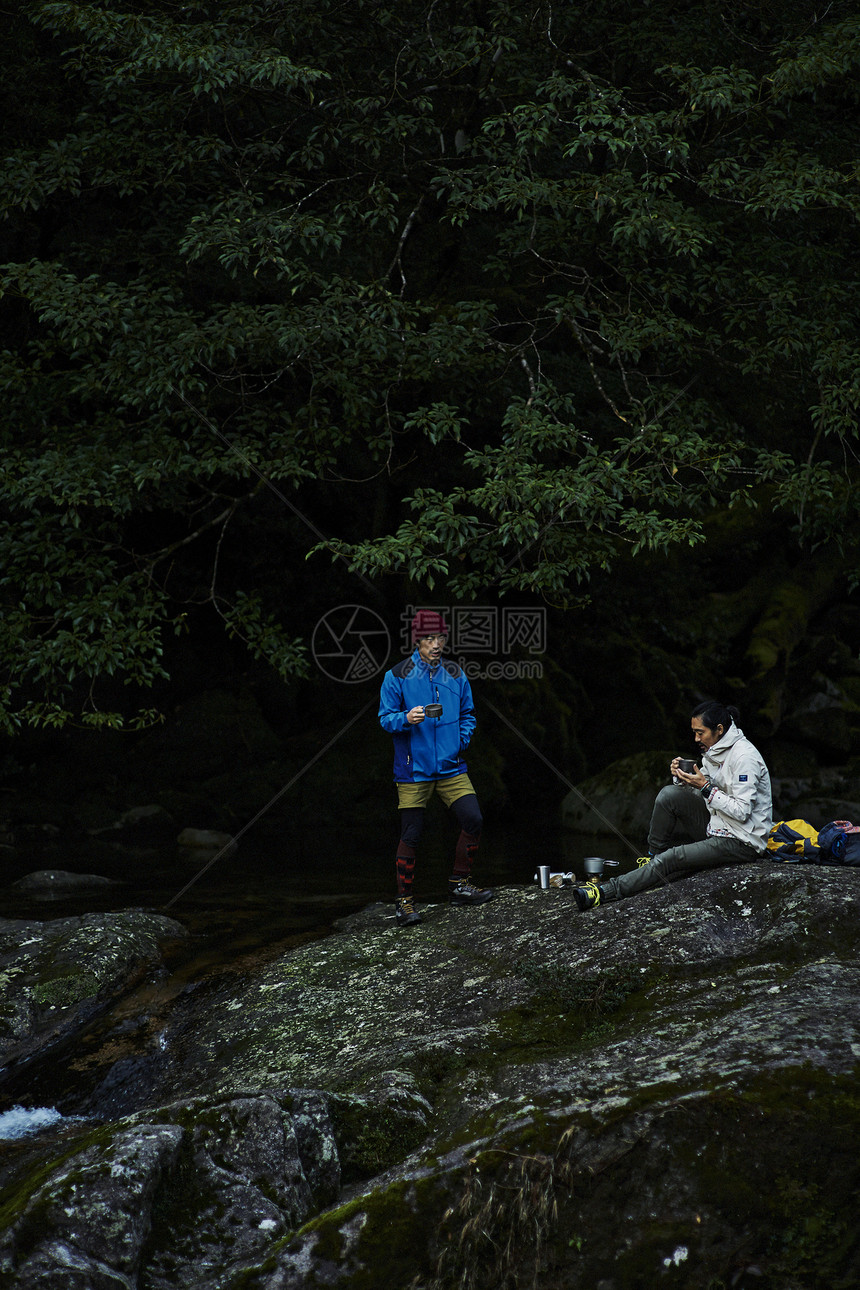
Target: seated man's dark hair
<point x="713" y="714"/>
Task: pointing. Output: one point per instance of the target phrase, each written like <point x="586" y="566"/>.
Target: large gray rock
<point x="675" y="1101"/>
<point x="621" y="797"/>
<point x="661" y="1091"/>
<point x="87" y="1225"/>
<point x="822" y="794"/>
<point x="55" y="975"/>
<point x="824" y="718"/>
<point x="190" y="1193"/>
<point x="59" y="884"/>
<point x="250" y="1171"/>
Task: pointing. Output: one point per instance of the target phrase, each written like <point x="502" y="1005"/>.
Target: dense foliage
<point x="479" y="294"/>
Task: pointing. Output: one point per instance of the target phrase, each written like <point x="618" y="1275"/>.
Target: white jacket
<point x="740" y="802"/>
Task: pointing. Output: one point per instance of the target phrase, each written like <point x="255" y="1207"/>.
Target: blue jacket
<point x="434" y="748"/>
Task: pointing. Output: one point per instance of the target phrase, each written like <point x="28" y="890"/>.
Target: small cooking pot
<point x="593" y="865"/>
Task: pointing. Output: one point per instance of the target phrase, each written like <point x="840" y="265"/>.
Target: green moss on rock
<point x="65" y="989"/>
<point x="373" y="1138"/>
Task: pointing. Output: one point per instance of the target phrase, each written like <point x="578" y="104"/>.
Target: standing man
<point x="426" y="704"/>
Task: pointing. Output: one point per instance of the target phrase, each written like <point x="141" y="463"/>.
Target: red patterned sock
<point x="405" y="864"/>
<point x="464" y="854"/>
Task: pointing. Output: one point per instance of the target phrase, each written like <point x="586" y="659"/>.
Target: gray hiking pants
<point x="677" y="836"/>
<point x="679" y="815"/>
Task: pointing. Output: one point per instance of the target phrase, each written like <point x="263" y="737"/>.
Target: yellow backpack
<point x="793" y="840"/>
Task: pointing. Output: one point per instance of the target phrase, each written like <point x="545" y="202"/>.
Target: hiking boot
<point x="588" y="896"/>
<point x="463" y="893"/>
<point x="406" y="913"/>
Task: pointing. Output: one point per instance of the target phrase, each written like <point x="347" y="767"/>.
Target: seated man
<point x="717" y="815"/>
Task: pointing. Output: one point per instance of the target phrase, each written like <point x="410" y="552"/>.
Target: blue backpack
<point x="839" y="843"/>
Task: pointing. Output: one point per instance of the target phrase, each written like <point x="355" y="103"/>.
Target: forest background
<point x="308" y="305"/>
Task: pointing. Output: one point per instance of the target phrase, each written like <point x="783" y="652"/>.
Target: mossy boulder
<point x="59" y="884"/>
<point x="621" y="797"/>
<point x="55" y="975"/>
<point x="178" y="1197"/>
<point x="825" y="717"/>
<point x="660" y="1091"/>
<point x="674" y="1100"/>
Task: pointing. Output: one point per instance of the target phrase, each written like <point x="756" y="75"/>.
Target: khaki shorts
<point x="412" y="795"/>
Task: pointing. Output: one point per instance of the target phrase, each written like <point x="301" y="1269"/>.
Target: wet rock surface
<point x="660" y="1091"/>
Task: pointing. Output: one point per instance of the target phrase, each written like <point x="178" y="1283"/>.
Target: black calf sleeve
<point x="468" y="814"/>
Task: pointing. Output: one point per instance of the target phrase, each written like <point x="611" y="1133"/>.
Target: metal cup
<point x="543" y="876"/>
<point x="687" y="765"/>
<point x="432" y="709"/>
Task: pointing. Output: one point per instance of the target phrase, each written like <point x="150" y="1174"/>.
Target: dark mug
<point x="686" y="765"/>
<point x="432" y="709"/>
